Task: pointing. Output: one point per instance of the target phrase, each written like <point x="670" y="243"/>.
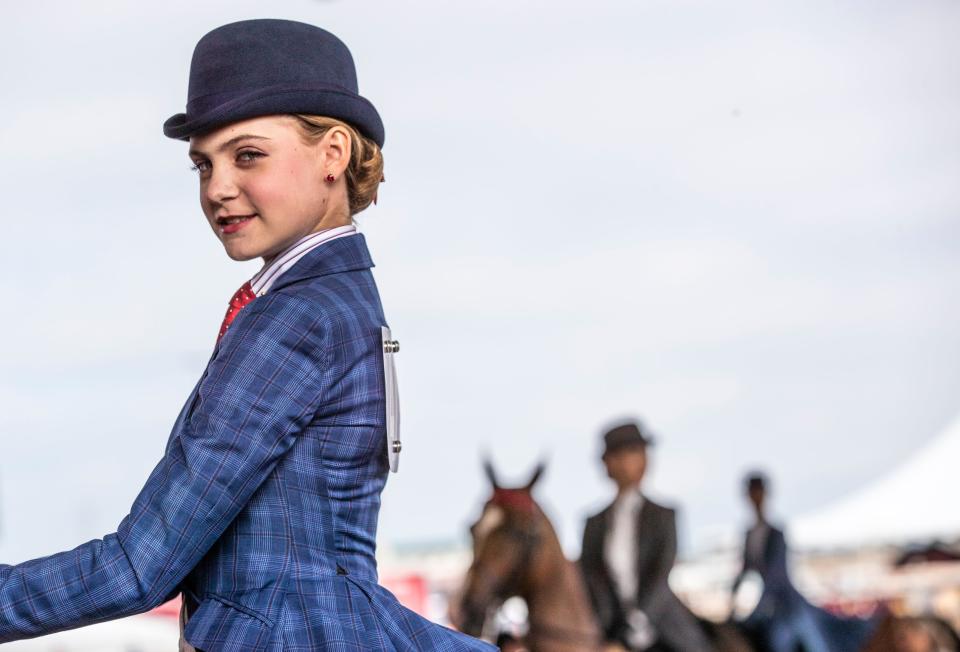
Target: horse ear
<point x="491" y="474"/>
<point x="541" y="467"/>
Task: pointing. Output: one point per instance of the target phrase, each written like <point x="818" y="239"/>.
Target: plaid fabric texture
<point x="264" y="506"/>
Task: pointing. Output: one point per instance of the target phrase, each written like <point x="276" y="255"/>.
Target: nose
<point x="221" y="185"/>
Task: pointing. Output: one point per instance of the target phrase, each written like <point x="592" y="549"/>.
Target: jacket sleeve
<point x="257" y="394"/>
<point x="738" y="578"/>
<point x="589" y="571"/>
<point x="599" y="590"/>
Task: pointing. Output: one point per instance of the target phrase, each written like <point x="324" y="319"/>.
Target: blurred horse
<point x="914" y="634"/>
<point x="891" y="634"/>
<point x="516" y="552"/>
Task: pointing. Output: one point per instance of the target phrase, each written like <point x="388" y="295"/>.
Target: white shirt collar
<point x="268" y="274"/>
<point x="632" y="498"/>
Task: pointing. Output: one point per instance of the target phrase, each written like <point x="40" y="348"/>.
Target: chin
<point x="240" y="253"/>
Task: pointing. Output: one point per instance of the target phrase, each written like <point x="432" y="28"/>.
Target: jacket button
<point x="396" y="447"/>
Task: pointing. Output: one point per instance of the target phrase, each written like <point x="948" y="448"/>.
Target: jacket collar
<point x="340" y="255"/>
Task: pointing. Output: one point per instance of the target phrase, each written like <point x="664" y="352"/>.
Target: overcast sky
<point x="739" y="221"/>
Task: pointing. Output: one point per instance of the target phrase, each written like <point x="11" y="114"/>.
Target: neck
<point x="268" y="259"/>
<point x="332" y="220"/>
<point x="628" y="488"/>
<point x="561" y="619"/>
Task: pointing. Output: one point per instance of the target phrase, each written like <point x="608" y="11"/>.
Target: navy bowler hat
<point x="267" y="66"/>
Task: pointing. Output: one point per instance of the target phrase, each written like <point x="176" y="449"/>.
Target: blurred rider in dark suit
<point x="628" y="552"/>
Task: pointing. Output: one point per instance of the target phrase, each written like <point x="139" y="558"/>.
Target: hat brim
<point x="636" y="443"/>
<point x="353" y="109"/>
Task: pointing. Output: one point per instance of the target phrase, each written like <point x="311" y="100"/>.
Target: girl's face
<point x="261" y="171"/>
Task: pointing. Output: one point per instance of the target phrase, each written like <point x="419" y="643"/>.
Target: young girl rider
<point x="263" y="509"/>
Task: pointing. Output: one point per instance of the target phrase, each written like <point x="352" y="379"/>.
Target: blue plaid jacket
<point x="264" y="506"/>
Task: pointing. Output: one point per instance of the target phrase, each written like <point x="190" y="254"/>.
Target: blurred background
<point x="737" y="221"/>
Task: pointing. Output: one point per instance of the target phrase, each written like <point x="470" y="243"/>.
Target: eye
<point x="200" y="166"/>
<point x="248" y="156"/>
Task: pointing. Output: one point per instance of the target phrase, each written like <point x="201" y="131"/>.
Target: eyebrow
<point x="232" y="141"/>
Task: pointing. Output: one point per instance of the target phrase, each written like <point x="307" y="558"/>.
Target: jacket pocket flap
<point x="221" y="623"/>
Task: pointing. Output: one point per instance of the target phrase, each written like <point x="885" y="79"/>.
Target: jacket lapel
<point x="606" y="518"/>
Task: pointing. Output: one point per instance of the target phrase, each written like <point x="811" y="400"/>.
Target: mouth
<point x="233" y="223"/>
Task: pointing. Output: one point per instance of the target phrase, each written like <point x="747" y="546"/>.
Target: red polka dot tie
<point x="241" y="297"/>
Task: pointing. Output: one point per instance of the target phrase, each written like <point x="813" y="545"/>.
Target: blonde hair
<point x="364" y="172"/>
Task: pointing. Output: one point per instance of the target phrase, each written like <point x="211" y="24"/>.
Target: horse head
<point x="507" y="540"/>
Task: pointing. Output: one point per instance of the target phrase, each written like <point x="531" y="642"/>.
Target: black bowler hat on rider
<point x="755" y="481"/>
<point x="632" y="434"/>
<point x="269" y="66"/>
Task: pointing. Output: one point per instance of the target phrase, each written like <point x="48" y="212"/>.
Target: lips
<point x="233" y="223"/>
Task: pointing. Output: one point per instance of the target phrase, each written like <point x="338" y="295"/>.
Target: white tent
<point x="915" y="503"/>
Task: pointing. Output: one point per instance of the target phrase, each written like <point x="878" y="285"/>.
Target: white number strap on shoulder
<point x="391" y="347"/>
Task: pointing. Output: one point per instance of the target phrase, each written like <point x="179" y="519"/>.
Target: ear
<point x="488" y="469"/>
<point x="537" y="472"/>
<point x="335" y="150"/>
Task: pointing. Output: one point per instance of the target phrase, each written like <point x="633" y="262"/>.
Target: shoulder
<point x="597" y="520"/>
<point x="348" y="298"/>
<point x="600" y="516"/>
<point x="593" y="521"/>
<point x="593" y="534"/>
<point x="659" y="515"/>
<point x="320" y="307"/>
<point x="299" y="325"/>
<point x="337" y="322"/>
<point x="276" y="318"/>
<point x="274" y="350"/>
<point x="659" y="509"/>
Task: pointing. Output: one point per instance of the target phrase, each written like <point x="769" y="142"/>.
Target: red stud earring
<point x="330" y="178"/>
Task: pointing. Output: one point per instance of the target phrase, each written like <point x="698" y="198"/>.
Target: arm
<point x="587" y="567"/>
<point x="258" y="392"/>
<point x="741" y="573"/>
<point x="735" y="586"/>
<point x="599" y="590"/>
